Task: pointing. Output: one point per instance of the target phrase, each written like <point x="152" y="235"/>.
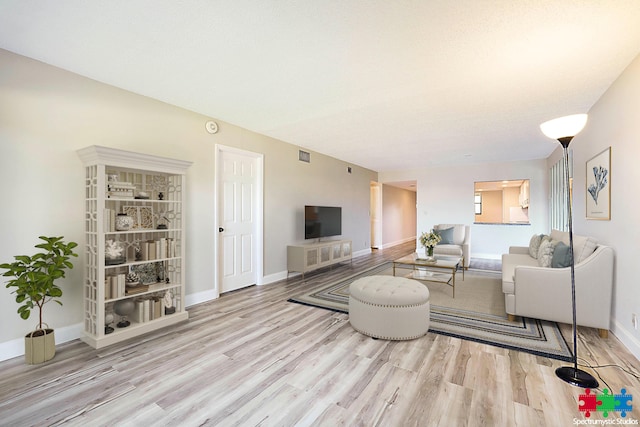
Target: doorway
<point x="238" y="219"/>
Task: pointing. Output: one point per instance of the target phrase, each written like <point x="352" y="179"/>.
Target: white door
<point x="238" y="242"/>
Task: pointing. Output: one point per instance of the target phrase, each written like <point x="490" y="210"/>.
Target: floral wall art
<point x="599" y="186"/>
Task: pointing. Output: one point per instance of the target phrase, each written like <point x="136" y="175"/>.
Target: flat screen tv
<point x="322" y="221"/>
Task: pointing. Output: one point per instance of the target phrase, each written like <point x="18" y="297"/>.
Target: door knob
<point x="220" y="229"/>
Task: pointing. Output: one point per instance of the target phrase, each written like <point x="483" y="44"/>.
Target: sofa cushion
<point x="534" y="245"/>
<point x="561" y="256"/>
<point x="452" y="250"/>
<point x="446" y="235"/>
<point x="509" y="264"/>
<point x="545" y="253"/>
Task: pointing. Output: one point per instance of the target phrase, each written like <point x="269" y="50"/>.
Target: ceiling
<point x="382" y="84"/>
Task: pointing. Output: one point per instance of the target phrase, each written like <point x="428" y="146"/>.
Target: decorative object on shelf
<point x="114" y="252"/>
<point x="34" y="285"/>
<point x="428" y="240"/>
<point x="112" y="177"/>
<point x="123" y="222"/>
<point x="150" y="273"/>
<point x="108" y="320"/>
<point x="143" y="195"/>
<point x="164" y="218"/>
<point x="598" y="186"/>
<point x="142" y="216"/>
<point x="167" y="301"/>
<point x="132" y="280"/>
<point x="160" y="196"/>
<point x="124" y="308"/>
<point x="564" y="129"/>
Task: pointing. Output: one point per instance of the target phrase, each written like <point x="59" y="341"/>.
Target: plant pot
<point x="39" y="346"/>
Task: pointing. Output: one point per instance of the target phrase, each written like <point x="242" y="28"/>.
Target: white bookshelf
<point x="161" y="269"/>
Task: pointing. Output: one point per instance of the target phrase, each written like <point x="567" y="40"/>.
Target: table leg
<point x="454" y="283"/>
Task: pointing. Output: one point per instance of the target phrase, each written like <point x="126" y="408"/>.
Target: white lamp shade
<point x="564" y="126"/>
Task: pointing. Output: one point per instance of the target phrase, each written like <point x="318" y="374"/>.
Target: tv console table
<point x="308" y="257"/>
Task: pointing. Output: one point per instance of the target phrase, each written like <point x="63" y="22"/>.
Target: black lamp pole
<point x="572" y="374"/>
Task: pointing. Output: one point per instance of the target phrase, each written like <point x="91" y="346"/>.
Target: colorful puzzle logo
<point x="605" y="403"/>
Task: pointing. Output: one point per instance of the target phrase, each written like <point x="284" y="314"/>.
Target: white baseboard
<point x="200" y="297"/>
<point x="361" y="252"/>
<point x="399" y="242"/>
<point x="275" y="277"/>
<point x="626" y="337"/>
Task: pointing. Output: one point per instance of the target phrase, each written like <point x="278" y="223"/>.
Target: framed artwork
<point x="142" y="216"/>
<point x="598" y="186"/>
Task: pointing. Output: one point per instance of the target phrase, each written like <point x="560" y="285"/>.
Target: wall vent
<point x="303" y="156"/>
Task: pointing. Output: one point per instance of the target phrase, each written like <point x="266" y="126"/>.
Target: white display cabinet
<point x="134" y="264"/>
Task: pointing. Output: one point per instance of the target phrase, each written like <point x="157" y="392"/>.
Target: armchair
<point x="460" y="244"/>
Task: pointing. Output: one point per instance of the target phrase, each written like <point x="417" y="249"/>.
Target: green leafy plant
<point x="35" y="275"/>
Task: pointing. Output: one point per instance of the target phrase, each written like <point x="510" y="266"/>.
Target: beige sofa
<point x="545" y="292"/>
<point x="460" y="245"/>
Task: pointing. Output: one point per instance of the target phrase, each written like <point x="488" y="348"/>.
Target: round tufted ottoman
<point x="388" y="307"/>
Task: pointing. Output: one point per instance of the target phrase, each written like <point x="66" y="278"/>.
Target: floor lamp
<point x="564" y="129"/>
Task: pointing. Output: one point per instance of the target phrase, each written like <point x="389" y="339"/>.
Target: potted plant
<point x="34" y="285"/>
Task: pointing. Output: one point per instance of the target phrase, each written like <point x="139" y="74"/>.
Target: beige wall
<point x="398" y="215"/>
<point x="614" y="121"/>
<point x="46" y="114"/>
<point x="491" y="207"/>
<point x="445" y="196"/>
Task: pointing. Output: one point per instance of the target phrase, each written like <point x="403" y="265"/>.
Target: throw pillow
<point x="561" y="256"/>
<point x="583" y="247"/>
<point x="534" y="245"/>
<point x="446" y="235"/>
<point x="545" y="254"/>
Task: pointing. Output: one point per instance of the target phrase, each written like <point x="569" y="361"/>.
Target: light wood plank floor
<point x="251" y="358"/>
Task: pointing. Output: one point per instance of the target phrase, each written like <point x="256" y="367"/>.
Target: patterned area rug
<point x="476" y="314"/>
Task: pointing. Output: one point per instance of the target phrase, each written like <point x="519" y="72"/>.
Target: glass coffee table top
<point x="440" y="268"/>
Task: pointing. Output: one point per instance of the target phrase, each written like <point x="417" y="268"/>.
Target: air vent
<point x="303" y="156"/>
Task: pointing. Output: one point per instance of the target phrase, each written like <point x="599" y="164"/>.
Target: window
<point x="477" y="202"/>
<point x="501" y="202"/>
<point x="558" y="197"/>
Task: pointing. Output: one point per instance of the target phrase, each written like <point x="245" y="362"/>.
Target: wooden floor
<point x="251" y="358"/>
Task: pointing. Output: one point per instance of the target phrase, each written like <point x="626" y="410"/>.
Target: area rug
<point x="476" y="313"/>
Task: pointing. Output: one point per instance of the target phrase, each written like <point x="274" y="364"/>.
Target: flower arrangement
<point x="429" y="240"/>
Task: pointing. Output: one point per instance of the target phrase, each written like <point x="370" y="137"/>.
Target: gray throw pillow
<point x="446" y="235"/>
<point x="561" y="256"/>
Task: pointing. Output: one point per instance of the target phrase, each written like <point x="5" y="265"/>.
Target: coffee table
<point x="431" y="270"/>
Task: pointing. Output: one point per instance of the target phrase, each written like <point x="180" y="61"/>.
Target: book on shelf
<point x="115" y="286"/>
<point x="137" y="290"/>
<point x="116" y="185"/>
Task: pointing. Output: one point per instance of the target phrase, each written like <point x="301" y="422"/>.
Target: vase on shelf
<point x="124" y="222"/>
<point x="124" y="308"/>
